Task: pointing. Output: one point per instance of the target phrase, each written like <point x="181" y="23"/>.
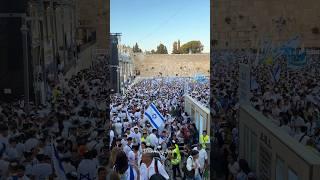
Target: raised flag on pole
<point x="154" y="116"/>
<point x="58" y="168"/>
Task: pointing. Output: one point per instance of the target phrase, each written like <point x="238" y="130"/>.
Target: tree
<point x="193" y="46"/>
<point x="178" y="46"/>
<point x="162" y="49"/>
<point x="175" y="48"/>
<point x="153" y="52"/>
<point x="136" y="48"/>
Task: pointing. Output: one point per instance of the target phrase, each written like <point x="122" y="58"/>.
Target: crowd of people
<point x="200" y="91"/>
<point x="73" y="136"/>
<point x="176" y="142"/>
<point x="71" y="125"/>
<point x="290" y="99"/>
<point x="75" y="124"/>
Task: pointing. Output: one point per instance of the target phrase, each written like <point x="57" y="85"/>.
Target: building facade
<point x="49" y="45"/>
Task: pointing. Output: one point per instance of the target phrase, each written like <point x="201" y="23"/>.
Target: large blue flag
<point x="154" y="116"/>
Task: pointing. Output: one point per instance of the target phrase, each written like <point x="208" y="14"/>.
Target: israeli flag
<point x="59" y="170"/>
<point x="276" y="73"/>
<point x="153" y="115"/>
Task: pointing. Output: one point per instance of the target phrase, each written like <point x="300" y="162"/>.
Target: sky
<point x="151" y="22"/>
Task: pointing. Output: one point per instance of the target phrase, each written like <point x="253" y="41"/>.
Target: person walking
<point x="193" y="166"/>
<point x="175" y="160"/>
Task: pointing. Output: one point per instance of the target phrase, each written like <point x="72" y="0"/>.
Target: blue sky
<point x="150" y="22"/>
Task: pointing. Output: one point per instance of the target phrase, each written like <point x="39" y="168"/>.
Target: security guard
<point x="144" y="137"/>
<point x="204" y="139"/>
<point x="175" y="159"/>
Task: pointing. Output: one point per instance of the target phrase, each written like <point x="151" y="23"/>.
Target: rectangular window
<point x="253" y="152"/>
<point x="279" y="169"/>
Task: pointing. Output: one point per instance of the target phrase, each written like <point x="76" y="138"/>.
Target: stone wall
<point x="171" y="65"/>
<point x="84" y="61"/>
<point x="241" y="23"/>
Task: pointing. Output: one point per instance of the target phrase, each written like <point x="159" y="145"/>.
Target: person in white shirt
<point x="154" y="140"/>
<point x="193" y="164"/>
<point x="286" y="128"/>
<point x="111" y="135"/>
<point x="68" y="167"/>
<point x="87" y="168"/>
<point x="134" y="155"/>
<point x="31" y="143"/>
<point x="4" y="167"/>
<point x="136" y="135"/>
<point x="203" y="158"/>
<point x="118" y="127"/>
<point x="43" y="169"/>
<point x="128" y="147"/>
<point x="4" y="134"/>
<point x="297" y="121"/>
<point x="149" y="167"/>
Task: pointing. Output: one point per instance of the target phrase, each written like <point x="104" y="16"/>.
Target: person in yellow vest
<point x="56" y="93"/>
<point x="144" y="137"/>
<point x="204" y="139"/>
<point x="175" y="160"/>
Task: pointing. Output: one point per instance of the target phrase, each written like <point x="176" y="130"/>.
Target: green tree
<point x="153" y="52"/>
<point x="136" y="48"/>
<point x="162" y="49"/>
<point x="175" y="49"/>
<point x="193" y="46"/>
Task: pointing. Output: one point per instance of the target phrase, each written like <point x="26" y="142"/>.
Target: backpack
<point x="185" y="169"/>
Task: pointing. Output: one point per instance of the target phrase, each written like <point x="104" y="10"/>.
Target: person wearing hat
<point x="204" y="139"/>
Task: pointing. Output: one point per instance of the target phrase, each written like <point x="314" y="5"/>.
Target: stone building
<point x="61" y="36"/>
<point x="48" y="41"/>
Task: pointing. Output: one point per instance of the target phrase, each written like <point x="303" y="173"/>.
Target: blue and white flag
<point x="59" y="170"/>
<point x="128" y="116"/>
<point x="276" y="71"/>
<point x="154" y="116"/>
